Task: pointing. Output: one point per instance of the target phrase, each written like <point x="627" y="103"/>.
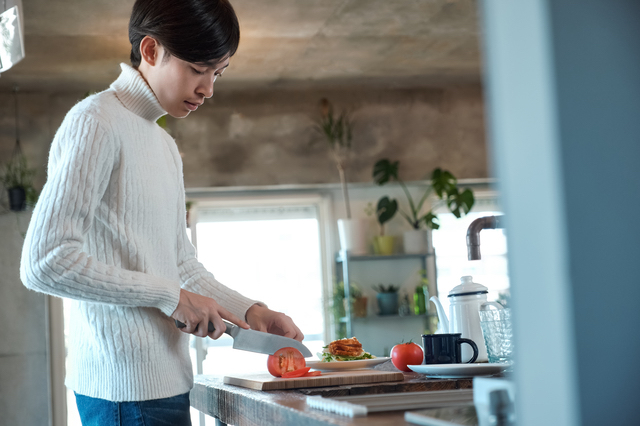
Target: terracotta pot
<point x="360" y="307"/>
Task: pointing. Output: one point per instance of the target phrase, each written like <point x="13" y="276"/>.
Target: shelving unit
<point x="350" y="266"/>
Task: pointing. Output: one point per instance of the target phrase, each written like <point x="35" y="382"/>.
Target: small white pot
<point x="353" y="236"/>
<point x="417" y="241"/>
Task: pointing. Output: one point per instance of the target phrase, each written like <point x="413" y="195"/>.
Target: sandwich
<point x="344" y="350"/>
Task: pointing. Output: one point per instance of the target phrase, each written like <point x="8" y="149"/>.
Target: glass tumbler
<point x="498" y="335"/>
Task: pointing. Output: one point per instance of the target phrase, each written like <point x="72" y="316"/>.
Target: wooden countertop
<point x="245" y="407"/>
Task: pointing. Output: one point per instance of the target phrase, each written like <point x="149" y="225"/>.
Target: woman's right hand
<point x="196" y="311"/>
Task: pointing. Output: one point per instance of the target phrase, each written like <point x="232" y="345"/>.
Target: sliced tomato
<point x="312" y="373"/>
<point x="296" y="373"/>
<point x="285" y="360"/>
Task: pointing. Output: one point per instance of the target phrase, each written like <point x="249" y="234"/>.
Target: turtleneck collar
<point x="136" y="95"/>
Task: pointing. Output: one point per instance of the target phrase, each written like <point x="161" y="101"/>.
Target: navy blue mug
<point x="446" y="348"/>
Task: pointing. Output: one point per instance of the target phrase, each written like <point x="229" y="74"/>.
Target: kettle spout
<point x="443" y="321"/>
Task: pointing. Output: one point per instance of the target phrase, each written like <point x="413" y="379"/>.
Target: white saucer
<point x="456" y="371"/>
<point x="346" y="365"/>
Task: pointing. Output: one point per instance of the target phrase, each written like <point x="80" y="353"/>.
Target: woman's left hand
<point x="264" y="319"/>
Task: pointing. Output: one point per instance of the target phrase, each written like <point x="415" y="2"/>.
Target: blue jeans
<point x="172" y="411"/>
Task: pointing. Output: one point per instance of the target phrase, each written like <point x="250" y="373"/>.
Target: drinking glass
<point x="498" y="334"/>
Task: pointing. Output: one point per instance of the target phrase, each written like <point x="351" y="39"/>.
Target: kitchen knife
<point x="257" y="341"/>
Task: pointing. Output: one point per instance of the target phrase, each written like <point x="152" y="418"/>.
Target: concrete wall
<point x="24" y="372"/>
<point x="267" y="138"/>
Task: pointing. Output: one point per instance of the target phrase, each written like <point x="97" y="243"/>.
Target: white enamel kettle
<point x="466" y="299"/>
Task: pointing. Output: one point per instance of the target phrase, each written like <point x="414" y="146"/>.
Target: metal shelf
<point x="385" y="317"/>
<point x="341" y="256"/>
<point x="344" y="259"/>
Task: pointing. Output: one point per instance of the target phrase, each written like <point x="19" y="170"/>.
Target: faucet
<point x="473" y="233"/>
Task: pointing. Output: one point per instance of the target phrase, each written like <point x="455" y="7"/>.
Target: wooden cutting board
<point x="334" y="378"/>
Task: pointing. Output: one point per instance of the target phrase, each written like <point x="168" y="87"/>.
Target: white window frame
<point x="323" y="205"/>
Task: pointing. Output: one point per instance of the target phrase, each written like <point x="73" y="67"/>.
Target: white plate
<point x="454" y="371"/>
<point x="346" y="365"/>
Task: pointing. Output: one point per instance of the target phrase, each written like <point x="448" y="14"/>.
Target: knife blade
<point x="257" y="341"/>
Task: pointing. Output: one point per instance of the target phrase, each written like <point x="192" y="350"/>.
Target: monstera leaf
<point x="387" y="208"/>
<point x="443" y="183"/>
<point x="460" y="202"/>
<point x="384" y="171"/>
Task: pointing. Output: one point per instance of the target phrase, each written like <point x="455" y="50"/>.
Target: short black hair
<point x="196" y="31"/>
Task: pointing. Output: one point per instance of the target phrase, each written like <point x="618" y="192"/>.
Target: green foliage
<point x="337" y="129"/>
<point x="338" y="132"/>
<point x="162" y="122"/>
<point x="459" y="202"/>
<point x="423" y="277"/>
<point x="17" y="174"/>
<point x="380" y="288"/>
<point x="338" y="292"/>
<point x="385" y="211"/>
<point x="338" y="309"/>
<point x="327" y="357"/>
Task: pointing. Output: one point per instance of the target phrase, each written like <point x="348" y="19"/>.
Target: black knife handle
<point x="183" y="325"/>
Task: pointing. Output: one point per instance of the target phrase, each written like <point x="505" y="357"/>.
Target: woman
<point x="109" y="228"/>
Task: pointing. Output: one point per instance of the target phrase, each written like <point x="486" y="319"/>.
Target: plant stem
<point x="345" y="193"/>
<point x="414" y="212"/>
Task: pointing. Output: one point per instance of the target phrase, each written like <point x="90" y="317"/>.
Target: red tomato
<point x="406" y="354"/>
<point x="312" y="374"/>
<point x="285" y="360"/>
<point x="296" y="373"/>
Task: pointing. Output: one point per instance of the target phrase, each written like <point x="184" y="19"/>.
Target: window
<point x="450" y="244"/>
<point x="269" y="250"/>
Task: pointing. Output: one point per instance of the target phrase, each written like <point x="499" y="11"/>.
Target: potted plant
<point x="387" y="298"/>
<point x="17" y="178"/>
<point x="386" y="209"/>
<point x="421" y="295"/>
<point x="339" y="305"/>
<point x="337" y="130"/>
<point x="444" y="184"/>
<point x="358" y="301"/>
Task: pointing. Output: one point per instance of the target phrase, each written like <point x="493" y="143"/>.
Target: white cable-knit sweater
<point x="109" y="232"/>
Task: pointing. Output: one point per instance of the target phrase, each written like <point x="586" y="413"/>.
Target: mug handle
<point x="485" y="306"/>
<point x="473" y="346"/>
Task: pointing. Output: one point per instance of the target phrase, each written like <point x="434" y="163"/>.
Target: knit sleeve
<point x="53" y="261"/>
<point x="194" y="275"/>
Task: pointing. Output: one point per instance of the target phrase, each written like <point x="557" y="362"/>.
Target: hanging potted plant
<point x="444" y="184"/>
<point x="17" y="179"/>
<point x="337" y="130"/>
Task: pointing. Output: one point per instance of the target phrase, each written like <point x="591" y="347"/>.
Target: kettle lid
<point x="467" y="288"/>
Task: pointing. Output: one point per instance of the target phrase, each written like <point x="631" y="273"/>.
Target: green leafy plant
<point x="380" y="288"/>
<point x="385" y="211"/>
<point x="338" y="305"/>
<point x="459" y="202"/>
<point x="17" y="174"/>
<point x="337" y="129"/>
